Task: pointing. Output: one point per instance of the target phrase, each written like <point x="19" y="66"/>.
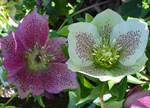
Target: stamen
<point x="37" y="59"/>
<point x="106" y="56"/>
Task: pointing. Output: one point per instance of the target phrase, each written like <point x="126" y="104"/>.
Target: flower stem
<point x="82" y="10"/>
<point x="102" y="92"/>
<point x="9" y="100"/>
<point x="102" y="102"/>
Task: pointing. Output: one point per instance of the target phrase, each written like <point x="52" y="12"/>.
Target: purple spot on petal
<point x="105" y="30"/>
<point x="84" y="45"/>
<point x="130" y="42"/>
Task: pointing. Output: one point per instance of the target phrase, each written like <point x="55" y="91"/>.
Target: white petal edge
<point x="139" y="65"/>
<point x="125" y="27"/>
<point x="114" y="79"/>
<point x="80" y="27"/>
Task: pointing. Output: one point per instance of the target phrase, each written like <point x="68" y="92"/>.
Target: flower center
<point x="38" y="59"/>
<point x="105" y="55"/>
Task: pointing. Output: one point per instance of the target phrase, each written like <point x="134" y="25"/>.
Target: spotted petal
<point x="105" y="21"/>
<point x="81" y="38"/>
<point x="33" y="30"/>
<point x="59" y="78"/>
<point x="13" y="52"/>
<point x="54" y="48"/>
<point x="26" y="82"/>
<point x="138" y="100"/>
<point x="132" y="35"/>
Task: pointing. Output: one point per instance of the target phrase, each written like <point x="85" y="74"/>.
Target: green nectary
<point x="106" y="56"/>
<point x="38" y="60"/>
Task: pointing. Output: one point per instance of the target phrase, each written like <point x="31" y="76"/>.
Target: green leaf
<point x="72" y="99"/>
<point x="122" y="88"/>
<point x="3" y="74"/>
<point x="92" y="106"/>
<point x="143" y="76"/>
<point x="145" y="5"/>
<point x="39" y="100"/>
<point x="53" y="34"/>
<point x="93" y="95"/>
<point x="10" y="107"/>
<point x="111" y="83"/>
<point x="64" y="31"/>
<point x="65" y="50"/>
<point x="80" y="1"/>
<point x="51" y="11"/>
<point x="114" y="104"/>
<point x="134" y="80"/>
<point x="81" y="19"/>
<point x="97" y="102"/>
<point x="19" y="16"/>
<point x="114" y="91"/>
<point x="45" y="2"/>
<point x="104" y="88"/>
<point x="69" y="20"/>
<point x="61" y="6"/>
<point x="148" y="65"/>
<point x="132" y="8"/>
<point x="88" y="17"/>
<point x="84" y="81"/>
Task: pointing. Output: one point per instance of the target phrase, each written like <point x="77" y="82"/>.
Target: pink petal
<point x="54" y="48"/>
<point x="138" y="100"/>
<point x="137" y="88"/>
<point x="26" y="82"/>
<point x="33" y="29"/>
<point x="13" y="52"/>
<point x="59" y="78"/>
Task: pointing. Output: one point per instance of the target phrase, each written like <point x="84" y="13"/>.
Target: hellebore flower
<point x="35" y="63"/>
<point x="108" y="48"/>
<point x="138" y="100"/>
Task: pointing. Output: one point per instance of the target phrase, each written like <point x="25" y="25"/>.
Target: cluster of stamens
<point x="106" y="56"/>
<point x="38" y="59"/>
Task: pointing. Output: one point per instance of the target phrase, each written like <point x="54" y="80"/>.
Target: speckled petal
<point x="59" y="78"/>
<point x="26" y="82"/>
<point x="81" y="38"/>
<point x="54" y="48"/>
<point x="33" y="30"/>
<point x="13" y="52"/>
<point x="138" y="100"/>
<point x="132" y="36"/>
<point x="105" y="21"/>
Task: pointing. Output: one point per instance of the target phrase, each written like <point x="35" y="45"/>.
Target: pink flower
<point x="138" y="100"/>
<point x="35" y="63"/>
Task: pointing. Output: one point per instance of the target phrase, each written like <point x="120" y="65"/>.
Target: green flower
<point x="108" y="48"/>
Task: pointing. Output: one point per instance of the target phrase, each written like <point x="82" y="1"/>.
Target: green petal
<point x="81" y="38"/>
<point x="132" y="36"/>
<point x="73" y="67"/>
<point x="105" y="21"/>
<point x="120" y="69"/>
<point x="116" y="73"/>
